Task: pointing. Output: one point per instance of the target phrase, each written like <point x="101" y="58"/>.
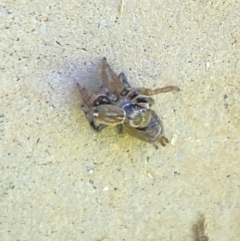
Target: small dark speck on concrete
<point x="115" y="189"/>
<point x="91" y="181"/>
<point x="225" y="97"/>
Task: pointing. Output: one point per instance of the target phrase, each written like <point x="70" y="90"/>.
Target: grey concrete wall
<point x="61" y="181"/>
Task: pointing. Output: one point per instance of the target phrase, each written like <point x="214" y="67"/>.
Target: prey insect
<point x="129" y="108"/>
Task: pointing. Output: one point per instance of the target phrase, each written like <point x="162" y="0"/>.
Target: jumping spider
<point x="118" y="103"/>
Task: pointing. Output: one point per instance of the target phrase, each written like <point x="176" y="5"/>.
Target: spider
<point x="118" y="103"/>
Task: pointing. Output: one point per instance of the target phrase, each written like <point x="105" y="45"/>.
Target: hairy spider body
<point x="117" y="103"/>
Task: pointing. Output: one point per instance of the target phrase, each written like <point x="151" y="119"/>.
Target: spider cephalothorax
<point x="117" y="103"/>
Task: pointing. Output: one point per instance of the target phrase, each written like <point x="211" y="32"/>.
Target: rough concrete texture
<point x="61" y="181"/>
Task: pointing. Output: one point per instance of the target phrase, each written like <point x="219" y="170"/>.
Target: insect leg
<point x="149" y="92"/>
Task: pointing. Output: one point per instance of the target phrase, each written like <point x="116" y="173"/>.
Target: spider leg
<point x="90" y="118"/>
<point x="149" y="92"/>
<point x="97" y="128"/>
<point x="163" y="140"/>
<point x="154" y="145"/>
<point x="145" y="102"/>
<point x="141" y="99"/>
<point x="86" y="109"/>
<point x="123" y="79"/>
<point x="127" y="87"/>
<point x="119" y="129"/>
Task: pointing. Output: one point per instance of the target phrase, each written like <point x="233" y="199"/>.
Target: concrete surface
<point x="61" y="181"/>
